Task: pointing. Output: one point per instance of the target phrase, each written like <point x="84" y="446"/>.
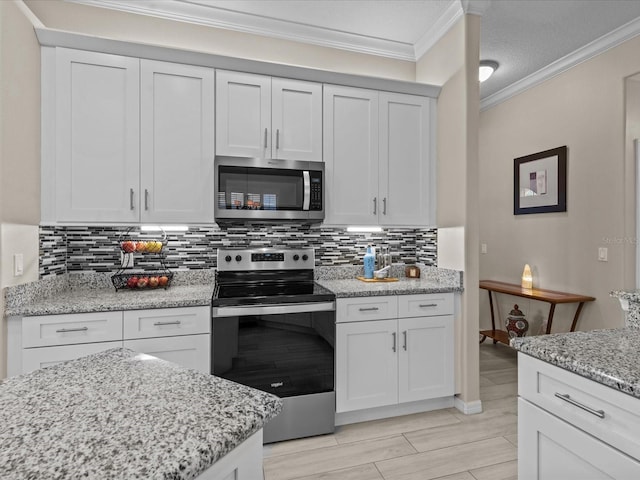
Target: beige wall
<point x="145" y="29"/>
<point x="583" y="108"/>
<point x="453" y="63"/>
<point x="19" y="151"/>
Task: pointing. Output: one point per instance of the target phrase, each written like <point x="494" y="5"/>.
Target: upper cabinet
<point x="264" y="117"/>
<point x="379" y="157"/>
<point x="126" y="140"/>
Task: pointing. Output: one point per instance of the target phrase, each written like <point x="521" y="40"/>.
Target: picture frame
<point x="540" y="182"/>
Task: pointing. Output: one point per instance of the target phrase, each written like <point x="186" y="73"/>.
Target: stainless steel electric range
<point x="273" y="329"/>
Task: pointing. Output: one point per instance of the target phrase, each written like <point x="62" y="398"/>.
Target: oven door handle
<point x="240" y="310"/>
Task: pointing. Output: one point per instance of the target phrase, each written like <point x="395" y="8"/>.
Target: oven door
<point x="286" y="350"/>
<point x="257" y="189"/>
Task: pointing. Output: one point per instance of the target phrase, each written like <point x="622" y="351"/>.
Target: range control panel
<point x="232" y="259"/>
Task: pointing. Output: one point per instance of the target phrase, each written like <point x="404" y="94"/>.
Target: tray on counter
<point x="378" y="280"/>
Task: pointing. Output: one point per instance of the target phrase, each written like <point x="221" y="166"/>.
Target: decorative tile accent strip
<point x="96" y="249"/>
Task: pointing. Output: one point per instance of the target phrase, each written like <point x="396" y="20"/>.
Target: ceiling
<point x="531" y="39"/>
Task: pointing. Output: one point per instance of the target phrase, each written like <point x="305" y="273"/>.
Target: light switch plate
<point x="18" y="264"/>
<point x="603" y="253"/>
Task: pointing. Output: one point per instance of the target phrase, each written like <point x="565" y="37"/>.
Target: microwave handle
<point x="307" y="190"/>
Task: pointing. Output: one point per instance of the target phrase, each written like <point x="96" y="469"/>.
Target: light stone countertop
<point x="123" y="415"/>
<point x="604" y="356"/>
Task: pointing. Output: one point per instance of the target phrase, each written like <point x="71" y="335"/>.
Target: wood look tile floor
<point x="443" y="444"/>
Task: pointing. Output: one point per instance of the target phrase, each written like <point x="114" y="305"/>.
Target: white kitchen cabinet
<point x="264" y="117"/>
<point x="191" y="351"/>
<point x="97" y="137"/>
<point x="180" y="335"/>
<point x="133" y="140"/>
<point x="573" y="428"/>
<point x="381" y="362"/>
<point x="177" y="142"/>
<point x="379" y="157"/>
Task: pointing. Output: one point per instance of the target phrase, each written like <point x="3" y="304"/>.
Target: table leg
<point x="575" y="317"/>
<point x="550" y="319"/>
<point x="493" y="318"/>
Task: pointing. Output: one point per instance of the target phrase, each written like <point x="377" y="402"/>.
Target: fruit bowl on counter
<point x="142" y="280"/>
<point x="142" y="246"/>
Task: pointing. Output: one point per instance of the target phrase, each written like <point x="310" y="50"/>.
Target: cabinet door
<point x="177" y="142"/>
<point x="366" y="365"/>
<point x="243" y="114"/>
<point x="551" y="449"/>
<point x="351" y="155"/>
<point x="407" y="174"/>
<point x="97" y="137"/>
<point x="296" y="120"/>
<point x="35" y="358"/>
<point x="425" y="363"/>
<point x="191" y="351"/>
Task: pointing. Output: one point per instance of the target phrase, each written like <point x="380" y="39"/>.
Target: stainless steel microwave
<point x="255" y="189"/>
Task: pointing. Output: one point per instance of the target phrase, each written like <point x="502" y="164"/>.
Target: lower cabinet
<point x="179" y="335"/>
<point x="572" y="428"/>
<point x="387" y="361"/>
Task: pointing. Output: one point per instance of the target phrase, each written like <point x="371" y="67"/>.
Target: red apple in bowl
<point x="143" y="282"/>
<point x="132" y="282"/>
<point x="163" y="281"/>
<point x="153" y="282"/>
<point x="129" y="246"/>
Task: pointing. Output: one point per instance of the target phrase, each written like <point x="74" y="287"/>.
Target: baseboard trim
<point x="357" y="416"/>
<point x="468" y="408"/>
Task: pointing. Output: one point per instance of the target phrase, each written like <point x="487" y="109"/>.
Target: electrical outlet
<point x="18" y="264"/>
<point x="603" y="253"/>
<point x="483" y="248"/>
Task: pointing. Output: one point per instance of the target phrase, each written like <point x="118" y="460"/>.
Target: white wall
<point x="583" y="108"/>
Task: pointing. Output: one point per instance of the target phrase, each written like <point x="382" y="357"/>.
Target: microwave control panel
<point x="316" y="191"/>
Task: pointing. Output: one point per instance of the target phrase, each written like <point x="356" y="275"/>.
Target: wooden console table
<point x="548" y="296"/>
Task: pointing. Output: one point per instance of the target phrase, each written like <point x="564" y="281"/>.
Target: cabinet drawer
<point x="35" y="358"/>
<point x="542" y="384"/>
<point x="50" y="330"/>
<point x="191" y="351"/>
<point x="166" y="322"/>
<point x="366" y="308"/>
<point x="425" y="305"/>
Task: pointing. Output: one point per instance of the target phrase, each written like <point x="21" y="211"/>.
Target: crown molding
<point x="260" y="25"/>
<point x="598" y="46"/>
<point x="453" y="13"/>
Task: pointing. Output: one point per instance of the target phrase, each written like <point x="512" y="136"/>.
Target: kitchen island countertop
<point x="604" y="356"/>
<point x="119" y="414"/>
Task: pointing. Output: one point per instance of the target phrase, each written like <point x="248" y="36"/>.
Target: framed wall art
<point x="540" y="182"/>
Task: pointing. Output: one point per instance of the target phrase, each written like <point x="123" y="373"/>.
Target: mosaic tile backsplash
<point x="96" y="249"/>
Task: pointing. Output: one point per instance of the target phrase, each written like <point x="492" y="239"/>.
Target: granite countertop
<point x="79" y="293"/>
<point x="123" y="415"/>
<point x="605" y="356"/>
<point x="344" y="284"/>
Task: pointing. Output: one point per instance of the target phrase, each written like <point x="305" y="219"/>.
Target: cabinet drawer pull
<point x="131" y="198"/>
<point x="146" y="199"/>
<point x="265" y="138"/>
<point x="428" y="305"/>
<point x="384" y="206"/>
<point x="277" y="139"/>
<point x="375" y="205"/>
<point x="393" y="334"/>
<point x="568" y="399"/>
<point x="369" y="309"/>
<point x="404" y="346"/>
<point x="175" y="322"/>
<point x="79" y="329"/>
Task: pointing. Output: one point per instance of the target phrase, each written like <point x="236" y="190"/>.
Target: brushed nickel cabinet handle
<point x="404" y="346"/>
<point x="428" y="305"/>
<point x="369" y="309"/>
<point x="176" y="322"/>
<point x="375" y="205"/>
<point x="277" y="139"/>
<point x="131" y="199"/>
<point x="384" y="206"/>
<point x="394" y="341"/>
<point x="265" y="138"/>
<point x="568" y="399"/>
<point x="65" y="330"/>
<point x="146" y="199"/>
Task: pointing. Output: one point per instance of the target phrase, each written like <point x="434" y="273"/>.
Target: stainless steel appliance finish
<point x="273" y="329"/>
<point x="258" y="189"/>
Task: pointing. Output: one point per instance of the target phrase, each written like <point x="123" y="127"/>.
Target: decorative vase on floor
<point x="516" y="324"/>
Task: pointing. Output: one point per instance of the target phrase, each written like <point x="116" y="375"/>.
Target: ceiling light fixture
<point x="487" y="67"/>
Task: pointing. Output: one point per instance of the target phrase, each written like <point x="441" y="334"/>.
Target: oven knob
<point x="238" y="258"/>
<point x="227" y="258"/>
<point x="296" y="257"/>
<point x="305" y="257"/>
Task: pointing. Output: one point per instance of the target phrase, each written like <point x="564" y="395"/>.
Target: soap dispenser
<point x="369" y="262"/>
